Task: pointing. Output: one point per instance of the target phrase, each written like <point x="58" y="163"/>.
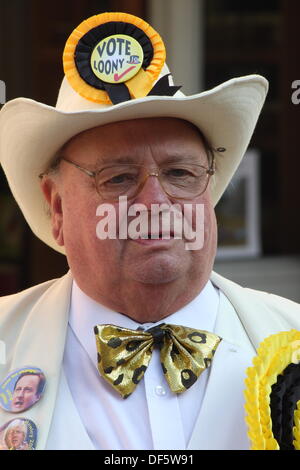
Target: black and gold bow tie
<point x="124" y="354"/>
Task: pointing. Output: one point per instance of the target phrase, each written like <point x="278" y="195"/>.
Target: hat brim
<point x="31" y="133"/>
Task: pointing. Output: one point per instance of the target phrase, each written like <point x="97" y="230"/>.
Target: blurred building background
<point x="208" y="42"/>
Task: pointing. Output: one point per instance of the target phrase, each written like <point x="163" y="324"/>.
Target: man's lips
<point x="18" y="403"/>
<point x="154" y="236"/>
<point x="147" y="239"/>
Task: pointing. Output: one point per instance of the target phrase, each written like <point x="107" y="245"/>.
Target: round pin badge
<point x="117" y="58"/>
<point x="21" y="389"/>
<point x="18" y="434"/>
<point x="113" y="57"/>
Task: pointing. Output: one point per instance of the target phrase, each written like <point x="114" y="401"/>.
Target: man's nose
<point x="152" y="192"/>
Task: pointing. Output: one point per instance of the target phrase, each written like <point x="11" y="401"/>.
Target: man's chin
<point x="161" y="269"/>
<point x="17" y="407"/>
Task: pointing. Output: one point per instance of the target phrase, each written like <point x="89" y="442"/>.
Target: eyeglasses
<point x="178" y="180"/>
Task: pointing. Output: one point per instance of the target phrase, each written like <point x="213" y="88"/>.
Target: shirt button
<point x="160" y="391"/>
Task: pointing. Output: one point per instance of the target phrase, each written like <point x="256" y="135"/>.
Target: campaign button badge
<point x="21" y="389"/>
<point x="18" y="434"/>
<point x="117" y="58"/>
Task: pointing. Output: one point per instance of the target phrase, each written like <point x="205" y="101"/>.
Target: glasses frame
<point x="210" y="171"/>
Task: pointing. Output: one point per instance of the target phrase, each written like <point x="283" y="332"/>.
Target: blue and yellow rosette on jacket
<point x="273" y="394"/>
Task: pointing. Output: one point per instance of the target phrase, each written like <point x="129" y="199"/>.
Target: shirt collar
<point x="85" y="313"/>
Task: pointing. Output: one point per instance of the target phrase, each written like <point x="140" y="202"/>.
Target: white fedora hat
<point x="31" y="133"/>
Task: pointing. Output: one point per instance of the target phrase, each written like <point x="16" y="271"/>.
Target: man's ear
<point x="52" y="195"/>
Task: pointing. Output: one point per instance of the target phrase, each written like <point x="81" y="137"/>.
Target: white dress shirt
<point x="152" y="417"/>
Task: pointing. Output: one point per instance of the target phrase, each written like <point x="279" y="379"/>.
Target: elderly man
<point x="153" y="277"/>
<point x="174" y="339"/>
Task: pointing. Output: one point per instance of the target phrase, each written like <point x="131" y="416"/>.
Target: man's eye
<point x="178" y="172"/>
<point x="119" y="179"/>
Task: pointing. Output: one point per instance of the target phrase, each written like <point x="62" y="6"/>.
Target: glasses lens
<point x="116" y="181"/>
<point x="184" y="181"/>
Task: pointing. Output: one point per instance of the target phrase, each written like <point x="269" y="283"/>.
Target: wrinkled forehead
<point x="167" y="137"/>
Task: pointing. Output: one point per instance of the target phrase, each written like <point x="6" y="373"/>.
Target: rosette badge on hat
<point x="114" y="57"/>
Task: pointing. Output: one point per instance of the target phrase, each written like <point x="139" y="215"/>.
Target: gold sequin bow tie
<point x="124" y="354"/>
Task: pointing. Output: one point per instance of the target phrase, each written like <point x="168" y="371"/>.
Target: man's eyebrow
<point x="183" y="159"/>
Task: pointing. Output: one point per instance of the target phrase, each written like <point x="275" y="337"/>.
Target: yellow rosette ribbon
<point x="273" y="394"/>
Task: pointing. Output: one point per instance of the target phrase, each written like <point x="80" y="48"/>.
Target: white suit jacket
<point x="33" y="326"/>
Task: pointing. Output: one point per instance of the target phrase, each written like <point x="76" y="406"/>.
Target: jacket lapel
<point x="67" y="430"/>
<point x="41" y="344"/>
<point x="221" y="421"/>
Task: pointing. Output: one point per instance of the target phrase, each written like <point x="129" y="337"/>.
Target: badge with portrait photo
<point x="21" y="389"/>
<point x="18" y="434"/>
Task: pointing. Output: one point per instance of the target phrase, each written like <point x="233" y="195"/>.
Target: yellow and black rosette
<point x="114" y="57"/>
<point x="273" y="394"/>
